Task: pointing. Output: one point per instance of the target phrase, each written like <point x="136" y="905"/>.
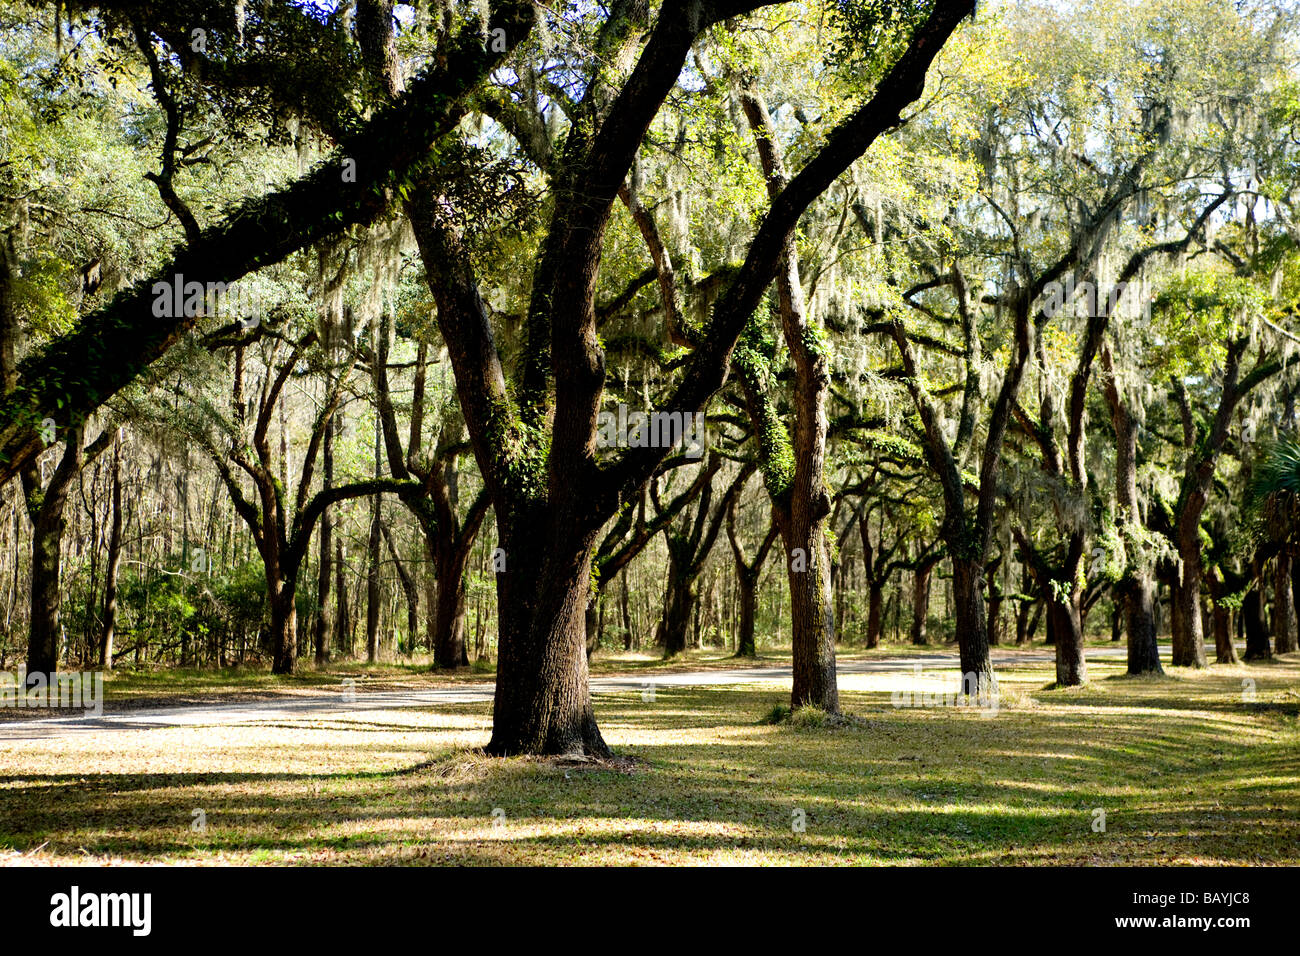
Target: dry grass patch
<point x="1186" y="770"/>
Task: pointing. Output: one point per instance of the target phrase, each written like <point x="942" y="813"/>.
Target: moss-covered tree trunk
<point x="800" y="503"/>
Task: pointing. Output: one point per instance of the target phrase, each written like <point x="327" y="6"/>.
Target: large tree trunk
<point x="972" y="628"/>
<point x="1138" y="586"/>
<point x="43" y="644"/>
<point x="1224" y="652"/>
<point x="747" y="593"/>
<point x="1284" y="619"/>
<point x="679" y="602"/>
<point x="1252" y="613"/>
<point x="449" y="650"/>
<point x="1221" y="618"/>
<point x="284" y="622"/>
<point x="802" y="515"/>
<point x="1023" y="610"/>
<point x="1064" y="621"/>
<point x="1187" y="636"/>
<point x="542" y="703"/>
<point x="1140" y="624"/>
<point x="812" y="617"/>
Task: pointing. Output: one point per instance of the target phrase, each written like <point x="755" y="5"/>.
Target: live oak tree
<point x="535" y="443"/>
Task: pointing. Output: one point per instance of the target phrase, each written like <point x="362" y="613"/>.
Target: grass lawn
<point x="1186" y="770"/>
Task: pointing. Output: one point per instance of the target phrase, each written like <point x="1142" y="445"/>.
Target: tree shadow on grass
<point x="917" y="786"/>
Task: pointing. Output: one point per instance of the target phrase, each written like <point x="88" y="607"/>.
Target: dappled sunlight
<point x="709" y="784"/>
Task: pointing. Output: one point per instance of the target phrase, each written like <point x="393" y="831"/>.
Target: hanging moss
<point x="753" y="360"/>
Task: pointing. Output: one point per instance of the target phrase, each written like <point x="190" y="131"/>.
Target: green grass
<point x="1186" y="770"/>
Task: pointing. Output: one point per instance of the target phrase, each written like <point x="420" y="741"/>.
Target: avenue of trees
<point x="505" y="332"/>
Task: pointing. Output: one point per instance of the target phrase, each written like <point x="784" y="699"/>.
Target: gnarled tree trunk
<point x="542" y="703"/>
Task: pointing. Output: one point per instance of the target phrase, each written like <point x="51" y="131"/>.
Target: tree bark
<point x="921" y="602"/>
<point x="1139" y="591"/>
<point x="1284" y="617"/>
<point x="46" y="508"/>
<point x="875" y="600"/>
<point x="801" y="511"/>
<point x="1187" y="636"/>
<point x="679" y="602"/>
<point x="972" y="622"/>
<point x="1066" y="623"/>
<point x="1252" y="612"/>
<point x="113" y="563"/>
<point x="543" y="704"/>
<point x="747" y="593"/>
<point x="451" y="561"/>
<point x="1224" y="652"/>
<point x="372" y="581"/>
<point x="1138" y="584"/>
<point x="281" y="590"/>
<point x="1221" y="618"/>
<point x="326" y="553"/>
